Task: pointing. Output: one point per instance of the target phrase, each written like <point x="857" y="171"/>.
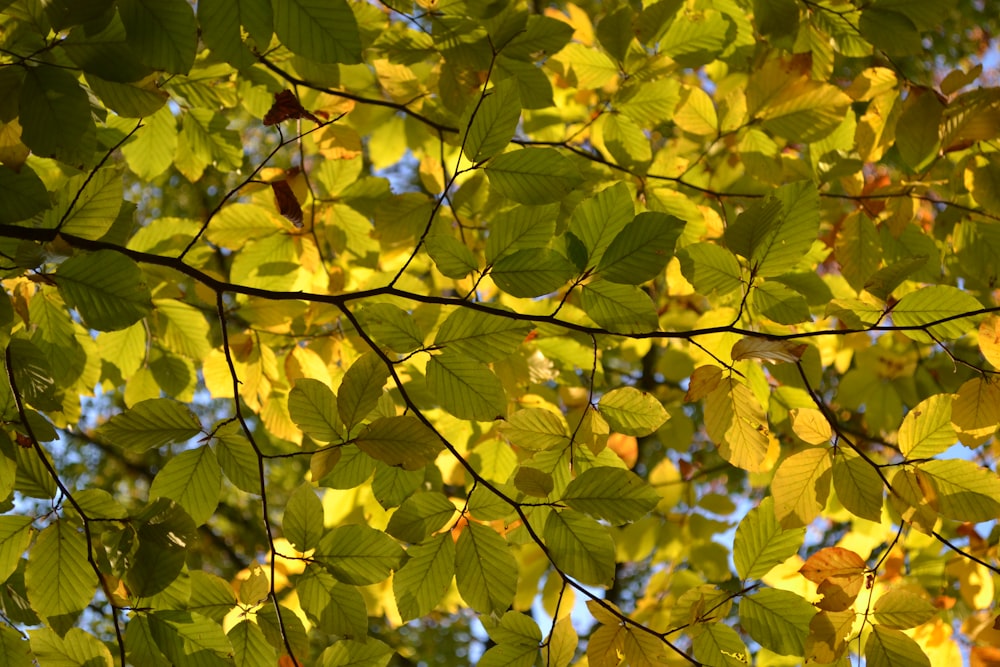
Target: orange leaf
<point x="286" y="106"/>
<point x="840" y="574"/>
<point x="703" y="381"/>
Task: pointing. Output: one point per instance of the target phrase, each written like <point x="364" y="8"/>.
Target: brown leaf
<point x="286" y="106"/>
<point x="840" y="574"/>
<point x="773" y="351"/>
<point x="288" y="205"/>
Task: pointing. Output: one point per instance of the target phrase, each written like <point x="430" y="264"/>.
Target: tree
<point x="662" y="332"/>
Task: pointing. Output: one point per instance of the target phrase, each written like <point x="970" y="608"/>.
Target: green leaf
<point x="22" y="194"/>
<point x="695" y="38"/>
<point x="205" y="141"/>
<point x="858" y="249"/>
<point x="482" y="336"/>
<point x="485" y="570"/>
<point x="220" y="29"/>
<point x="761" y="542"/>
<point x="358" y="554"/>
<point x="902" y="609"/>
<point x="624" y="140"/>
<point x="33" y="375"/>
<point x="710" y="268"/>
<point x="55" y="116"/>
<point x="391" y="326"/>
<point x="351" y="653"/>
<point x="887" y="647"/>
<point x="580" y="547"/>
<point x="641" y="249"/>
<point x="14" y="649"/>
<point x="932" y="304"/>
<point x="719" y="645"/>
<point x="779" y="303"/>
<point x="612" y="494"/>
<point x="15" y="533"/>
<point x="792" y="237"/>
<point x="361" y="389"/>
<point x="858" y="486"/>
<point x="890" y="31"/>
<point x="288" y="631"/>
<point x="536" y="429"/>
<point x="104" y="52"/>
<point x="250" y="646"/>
<point x="452" y="257"/>
<point x="598" y="220"/>
<point x="917" y="134"/>
<point x="151" y="152"/>
<point x="136" y="99"/>
<point x="76" y="647"/>
<point x="964" y="490"/>
<point x="303" y="520"/>
<point x="466" y="388"/>
<point x="696" y="113"/>
<point x="632" y="412"/>
<point x="193" y="479"/>
<point x="926" y="430"/>
<point x="494" y="123"/>
<point x="400" y="441"/>
<point x="533" y="175"/>
<point x="420" y="515"/>
<point x="189" y="639"/>
<point x="59" y="580"/>
<point x="520" y="228"/>
<point x="619" y="308"/>
<point x="338" y="609"/>
<point x="792" y="104"/>
<point x="163" y="33"/>
<point x="777" y="620"/>
<point x="151" y="423"/>
<point x="322" y="30"/>
<point x="107" y="288"/>
<point x="425" y="578"/>
<point x="313" y="407"/>
<point x="237" y="458"/>
<point x="532" y="272"/>
<point x="211" y="596"/>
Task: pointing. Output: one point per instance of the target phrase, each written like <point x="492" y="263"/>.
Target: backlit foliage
<point x="450" y="331"/>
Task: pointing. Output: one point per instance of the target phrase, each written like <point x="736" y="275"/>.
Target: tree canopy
<point x="343" y="332"/>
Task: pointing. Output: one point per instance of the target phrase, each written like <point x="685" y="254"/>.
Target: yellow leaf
<point x="13" y="152"/>
<point x="828" y="633"/>
<point x="975" y="583"/>
<point x="810" y="425"/>
<point x="606" y="646"/>
<point x="735" y="421"/>
<point x="801" y="485"/>
<point x="989" y="340"/>
<point x="975" y="412"/>
<point x="642" y="648"/>
<point x="703" y="381"/>
<point x="560" y="648"/>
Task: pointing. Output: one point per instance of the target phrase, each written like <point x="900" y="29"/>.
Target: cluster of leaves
<point x="682" y="312"/>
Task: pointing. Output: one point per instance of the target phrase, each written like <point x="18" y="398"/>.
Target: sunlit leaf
<point x="615" y="495"/>
<point x="358" y="554"/>
<point x="106" y="287"/>
<point x="581" y="547"/>
<point x="761" y="542"/>
<point x="485" y="570"/>
<point x="152" y="423"/>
